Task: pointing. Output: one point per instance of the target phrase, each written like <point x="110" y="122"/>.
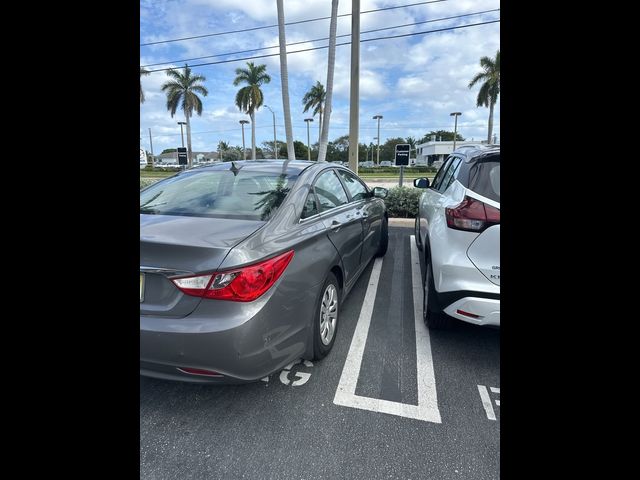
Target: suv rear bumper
<point x="477" y="308"/>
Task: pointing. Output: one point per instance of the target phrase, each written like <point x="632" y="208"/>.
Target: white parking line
<point x="427" y="408"/>
<point x="496" y="390"/>
<point x="486" y="402"/>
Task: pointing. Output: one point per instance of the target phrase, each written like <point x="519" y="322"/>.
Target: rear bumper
<point x="484" y="311"/>
<point x="242" y="341"/>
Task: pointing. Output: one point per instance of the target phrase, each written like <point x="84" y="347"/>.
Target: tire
<point x="432" y="313"/>
<point x="324" y="329"/>
<point x="417" y="235"/>
<point x="384" y="238"/>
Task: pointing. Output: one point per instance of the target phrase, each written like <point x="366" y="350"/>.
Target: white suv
<point x="458" y="229"/>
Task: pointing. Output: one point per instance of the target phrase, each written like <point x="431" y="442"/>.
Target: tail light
<point x="472" y="215"/>
<point x="242" y="285"/>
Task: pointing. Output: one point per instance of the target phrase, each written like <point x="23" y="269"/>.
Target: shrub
<point x="396" y="170"/>
<point x="403" y="201"/>
<point x="145" y="182"/>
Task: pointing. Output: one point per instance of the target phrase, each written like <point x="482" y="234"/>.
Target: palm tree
<point x="315" y="99"/>
<point x="490" y="89"/>
<point x="284" y="79"/>
<point x="250" y="98"/>
<point x="143" y="72"/>
<point x="182" y="90"/>
<point x="272" y="198"/>
<point x="222" y="148"/>
<point x="324" y="137"/>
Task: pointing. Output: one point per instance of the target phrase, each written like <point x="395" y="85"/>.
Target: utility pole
<point x="354" y="107"/>
<point x="455" y="129"/>
<point x="307" y="120"/>
<point x="244" y="150"/>
<point x="181" y="132"/>
<point x="153" y="159"/>
<point x="378" y="117"/>
<point x="275" y="146"/>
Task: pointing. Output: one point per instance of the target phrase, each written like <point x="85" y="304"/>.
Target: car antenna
<point x="234" y="168"/>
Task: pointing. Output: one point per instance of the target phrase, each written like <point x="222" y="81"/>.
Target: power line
<point x="337" y="45"/>
<point x="337" y="127"/>
<point x="321" y="39"/>
<point x="288" y="23"/>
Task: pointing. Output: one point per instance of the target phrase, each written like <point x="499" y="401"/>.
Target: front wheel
<point x="325" y="323"/>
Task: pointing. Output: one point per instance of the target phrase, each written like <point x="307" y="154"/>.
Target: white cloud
<point x="415" y="82"/>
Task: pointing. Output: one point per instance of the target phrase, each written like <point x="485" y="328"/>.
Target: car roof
<point x="294" y="167"/>
<point x="472" y="153"/>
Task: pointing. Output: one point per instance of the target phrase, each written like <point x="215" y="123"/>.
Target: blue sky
<point x="414" y="82"/>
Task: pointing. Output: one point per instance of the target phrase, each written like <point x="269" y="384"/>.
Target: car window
<point x="449" y="177"/>
<point x="438" y="178"/>
<point x="242" y="194"/>
<point x="484" y="178"/>
<point x="310" y="207"/>
<point x="356" y="188"/>
<point x="329" y="191"/>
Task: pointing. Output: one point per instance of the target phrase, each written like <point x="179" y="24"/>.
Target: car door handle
<point x="335" y="225"/>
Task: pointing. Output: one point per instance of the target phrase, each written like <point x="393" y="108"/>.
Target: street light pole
<point x="378" y="117"/>
<point x="244" y="150"/>
<point x="275" y="143"/>
<point x="181" y="132"/>
<point x="375" y="138"/>
<point x="308" y="138"/>
<point x="455" y="129"/>
<point x="153" y="159"/>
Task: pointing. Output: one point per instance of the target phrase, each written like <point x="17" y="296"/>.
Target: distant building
<point x="198" y="157"/>
<point x="429" y="152"/>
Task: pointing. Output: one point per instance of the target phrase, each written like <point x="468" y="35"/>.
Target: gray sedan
<point x="244" y="265"/>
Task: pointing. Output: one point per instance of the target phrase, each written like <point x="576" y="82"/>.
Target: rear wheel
<point x="384" y="238"/>
<point x="431" y="311"/>
<point x="325" y="323"/>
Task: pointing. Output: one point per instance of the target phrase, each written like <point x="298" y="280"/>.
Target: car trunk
<point x="484" y="252"/>
<point x="182" y="245"/>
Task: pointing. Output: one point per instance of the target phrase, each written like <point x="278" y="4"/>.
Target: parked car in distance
<point x="458" y="229"/>
<point x="386" y="163"/>
<point x="244" y="265"/>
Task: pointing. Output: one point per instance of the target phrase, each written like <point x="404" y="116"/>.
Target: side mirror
<point x="380" y="192"/>
<point x="421" y="182"/>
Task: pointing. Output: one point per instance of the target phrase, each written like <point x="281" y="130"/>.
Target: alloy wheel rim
<point x="328" y="314"/>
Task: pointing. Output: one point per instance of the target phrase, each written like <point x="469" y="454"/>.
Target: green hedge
<point x="396" y="170"/>
<point x="403" y="201"/>
<point x="145" y="182"/>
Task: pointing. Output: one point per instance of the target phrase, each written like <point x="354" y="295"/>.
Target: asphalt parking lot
<point x="392" y="400"/>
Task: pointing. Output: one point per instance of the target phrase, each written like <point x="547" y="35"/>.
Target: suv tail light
<point x="242" y="285"/>
<point x="472" y="216"/>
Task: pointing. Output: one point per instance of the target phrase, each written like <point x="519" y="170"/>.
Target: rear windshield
<point x="484" y="178"/>
<point x="242" y="194"/>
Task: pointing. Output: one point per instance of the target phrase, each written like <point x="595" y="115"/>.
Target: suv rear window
<point x="484" y="178"/>
<point x="243" y="194"/>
